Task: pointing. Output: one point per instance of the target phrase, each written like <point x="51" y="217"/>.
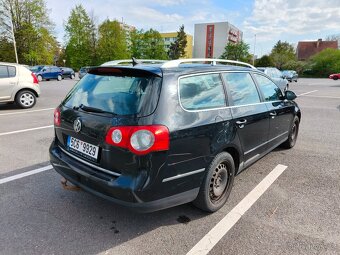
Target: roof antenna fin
<point x="134" y="61"/>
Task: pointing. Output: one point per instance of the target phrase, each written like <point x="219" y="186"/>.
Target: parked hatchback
<point x="49" y="73"/>
<point x="154" y="136"/>
<point x="19" y="85"/>
<point x="277" y="76"/>
<point x="67" y="72"/>
<point x="290" y="75"/>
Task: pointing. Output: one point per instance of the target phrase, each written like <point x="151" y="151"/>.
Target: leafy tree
<point x="177" y="48"/>
<point x="237" y="51"/>
<point x="147" y="45"/>
<point x="282" y="53"/>
<point x="79" y="41"/>
<point x="264" y="61"/>
<point x="294" y="65"/>
<point x="325" y="62"/>
<point x="32" y="29"/>
<point x="111" y="42"/>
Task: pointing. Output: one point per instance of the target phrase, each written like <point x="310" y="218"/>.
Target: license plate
<point x="85" y="149"/>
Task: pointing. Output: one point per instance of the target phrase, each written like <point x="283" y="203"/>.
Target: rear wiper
<point x="92" y="109"/>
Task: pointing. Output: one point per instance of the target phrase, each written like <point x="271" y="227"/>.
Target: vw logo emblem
<point x="77" y="125"/>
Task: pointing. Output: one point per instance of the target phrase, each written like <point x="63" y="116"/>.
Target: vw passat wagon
<point x="151" y="137"/>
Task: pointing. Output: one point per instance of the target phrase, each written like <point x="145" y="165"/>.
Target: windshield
<point x="36" y="69"/>
<point x="121" y="95"/>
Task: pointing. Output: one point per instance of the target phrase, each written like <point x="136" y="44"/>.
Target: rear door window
<point x="3" y="72"/>
<point x="242" y="88"/>
<point x="270" y="91"/>
<point x="202" y="92"/>
<point x="121" y="95"/>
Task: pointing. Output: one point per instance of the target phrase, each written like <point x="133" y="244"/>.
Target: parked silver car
<point x="18" y="84"/>
<point x="277" y="76"/>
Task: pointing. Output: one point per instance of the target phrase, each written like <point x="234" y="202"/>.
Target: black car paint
<point x="196" y="137"/>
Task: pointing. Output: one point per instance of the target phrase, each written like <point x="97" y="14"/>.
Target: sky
<point x="266" y="20"/>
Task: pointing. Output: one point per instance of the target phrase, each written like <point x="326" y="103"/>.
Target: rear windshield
<point x="121" y="95"/>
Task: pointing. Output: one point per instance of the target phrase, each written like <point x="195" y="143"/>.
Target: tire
<point x="293" y="134"/>
<point x="40" y="78"/>
<point x="335" y="78"/>
<point x="59" y="78"/>
<point x="72" y="76"/>
<point x="25" y="99"/>
<point x="217" y="183"/>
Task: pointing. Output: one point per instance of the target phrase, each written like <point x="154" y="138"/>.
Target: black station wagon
<point x="151" y="136"/>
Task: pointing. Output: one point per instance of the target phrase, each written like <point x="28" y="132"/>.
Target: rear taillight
<point x="35" y="79"/>
<point x="57" y="119"/>
<point x="139" y="140"/>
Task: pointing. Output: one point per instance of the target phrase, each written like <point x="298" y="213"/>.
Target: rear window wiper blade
<point x="92" y="109"/>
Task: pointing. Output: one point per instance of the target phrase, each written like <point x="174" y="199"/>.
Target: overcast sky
<point x="270" y="20"/>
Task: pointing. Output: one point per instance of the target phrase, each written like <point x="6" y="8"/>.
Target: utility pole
<point x="14" y="42"/>
<point x="254" y="50"/>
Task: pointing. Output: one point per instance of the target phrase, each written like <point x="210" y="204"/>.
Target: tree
<point x="111" y="42"/>
<point x="177" y="48"/>
<point x="264" y="61"/>
<point x="325" y="62"/>
<point x="147" y="45"/>
<point x="282" y="53"/>
<point x="79" y="28"/>
<point x="32" y="27"/>
<point x="236" y="51"/>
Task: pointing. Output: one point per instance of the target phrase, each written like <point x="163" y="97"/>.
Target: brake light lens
<point x="35" y="79"/>
<point x="140" y="140"/>
<point x="57" y="119"/>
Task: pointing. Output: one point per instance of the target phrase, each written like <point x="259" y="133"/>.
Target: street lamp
<point x="14" y="43"/>
<point x="254" y="50"/>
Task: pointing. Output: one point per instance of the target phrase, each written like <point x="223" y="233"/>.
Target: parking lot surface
<point x="299" y="213"/>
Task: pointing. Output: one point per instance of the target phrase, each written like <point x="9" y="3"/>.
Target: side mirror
<point x="290" y="95"/>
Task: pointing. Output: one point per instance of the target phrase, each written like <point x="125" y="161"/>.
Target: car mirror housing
<point x="290" y="95"/>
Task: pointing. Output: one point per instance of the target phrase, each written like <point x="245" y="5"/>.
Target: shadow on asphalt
<point x="9" y="106"/>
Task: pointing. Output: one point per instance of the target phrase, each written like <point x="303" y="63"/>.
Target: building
<point x="210" y="39"/>
<point x="307" y="49"/>
<point x="171" y="37"/>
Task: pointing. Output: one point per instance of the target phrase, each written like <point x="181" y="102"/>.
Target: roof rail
<point x="131" y="61"/>
<point x="177" y="62"/>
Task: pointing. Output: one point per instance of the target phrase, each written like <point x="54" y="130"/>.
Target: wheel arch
<point x="29" y="89"/>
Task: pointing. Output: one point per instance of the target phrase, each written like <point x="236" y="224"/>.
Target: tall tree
<point x="282" y="53"/>
<point x="32" y="27"/>
<point x="79" y="29"/>
<point x="147" y="45"/>
<point x="236" y="51"/>
<point x="264" y="61"/>
<point x="177" y="48"/>
<point x="111" y="41"/>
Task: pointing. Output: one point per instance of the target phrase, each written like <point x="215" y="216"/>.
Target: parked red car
<point x="334" y="76"/>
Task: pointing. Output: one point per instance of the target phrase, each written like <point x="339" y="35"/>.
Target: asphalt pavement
<point x="298" y="214"/>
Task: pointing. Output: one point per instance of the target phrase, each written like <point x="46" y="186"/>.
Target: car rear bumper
<point x="118" y="189"/>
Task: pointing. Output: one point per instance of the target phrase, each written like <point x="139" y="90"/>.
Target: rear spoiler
<point x="126" y="71"/>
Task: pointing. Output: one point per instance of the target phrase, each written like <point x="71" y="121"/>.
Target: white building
<point x="210" y="39"/>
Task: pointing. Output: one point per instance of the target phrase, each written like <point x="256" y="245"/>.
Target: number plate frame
<point x="87" y="150"/>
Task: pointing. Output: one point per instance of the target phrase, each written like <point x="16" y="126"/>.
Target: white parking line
<point x="25" y="130"/>
<point x="307" y="93"/>
<point x="20" y="112"/>
<point x="215" y="234"/>
<point x="325" y="97"/>
<point x="19" y="176"/>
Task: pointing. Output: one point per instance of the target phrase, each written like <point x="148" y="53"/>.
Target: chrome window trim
<point x="183" y="175"/>
<point x="89" y="164"/>
<point x="218" y="108"/>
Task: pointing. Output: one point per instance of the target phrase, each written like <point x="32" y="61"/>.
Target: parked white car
<point x="277" y="76"/>
<point x="18" y="84"/>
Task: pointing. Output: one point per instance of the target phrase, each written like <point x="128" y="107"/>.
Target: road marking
<point x="38" y="110"/>
<point x="25" y="130"/>
<point x="325" y="97"/>
<point x="307" y="93"/>
<point x="215" y="234"/>
<point x="19" y="176"/>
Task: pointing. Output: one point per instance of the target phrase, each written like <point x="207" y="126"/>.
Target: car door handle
<point x="273" y="114"/>
<point x="12" y="83"/>
<point x="241" y="123"/>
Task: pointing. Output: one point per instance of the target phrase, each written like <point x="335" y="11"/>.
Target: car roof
<point x="11" y="64"/>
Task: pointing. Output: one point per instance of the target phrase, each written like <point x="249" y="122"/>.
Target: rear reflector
<point x="140" y="140"/>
